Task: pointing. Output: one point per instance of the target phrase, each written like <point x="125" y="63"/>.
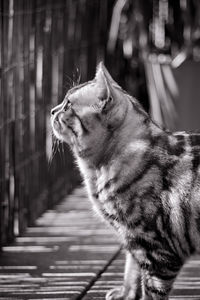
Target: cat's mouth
<point x="63" y="128"/>
<point x="59" y="124"/>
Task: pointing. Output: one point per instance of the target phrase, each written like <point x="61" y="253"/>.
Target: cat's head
<point x="89" y="114"/>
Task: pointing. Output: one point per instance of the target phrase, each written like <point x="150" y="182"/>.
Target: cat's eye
<point x="67" y="105"/>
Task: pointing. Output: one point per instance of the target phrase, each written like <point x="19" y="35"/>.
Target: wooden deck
<point x="71" y="254"/>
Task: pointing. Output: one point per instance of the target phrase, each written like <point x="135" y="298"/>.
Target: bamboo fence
<point x="42" y="43"/>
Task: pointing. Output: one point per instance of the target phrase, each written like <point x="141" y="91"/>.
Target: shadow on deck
<point x="71" y="254"/>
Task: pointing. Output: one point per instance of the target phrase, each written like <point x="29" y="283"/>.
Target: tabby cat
<point x="143" y="180"/>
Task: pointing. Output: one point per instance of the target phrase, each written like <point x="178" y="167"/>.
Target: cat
<point x="143" y="180"/>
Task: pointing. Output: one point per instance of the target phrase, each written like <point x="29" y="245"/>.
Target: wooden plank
<point x="71" y="254"/>
<point x="61" y="256"/>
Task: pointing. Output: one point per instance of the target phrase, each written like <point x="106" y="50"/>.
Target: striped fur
<point x="143" y="180"/>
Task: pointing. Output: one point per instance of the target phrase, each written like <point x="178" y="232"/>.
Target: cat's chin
<point x="64" y="138"/>
<point x="58" y="136"/>
<point x="59" y="133"/>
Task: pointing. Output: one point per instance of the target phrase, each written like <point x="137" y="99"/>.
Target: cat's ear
<point x="104" y="88"/>
<point x="103" y="92"/>
<point x="109" y="78"/>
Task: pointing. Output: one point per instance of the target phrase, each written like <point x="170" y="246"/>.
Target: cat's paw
<point x="115" y="294"/>
<point x="120" y="294"/>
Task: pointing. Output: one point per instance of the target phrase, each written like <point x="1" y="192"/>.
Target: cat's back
<point x="178" y="155"/>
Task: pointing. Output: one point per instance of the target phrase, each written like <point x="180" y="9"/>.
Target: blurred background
<point x="151" y="47"/>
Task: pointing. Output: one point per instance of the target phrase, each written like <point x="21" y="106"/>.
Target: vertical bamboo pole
<point x="32" y="93"/>
<point x="2" y="118"/>
<point x="39" y="108"/>
<point x="27" y="18"/>
<point x="20" y="156"/>
<point x="7" y="60"/>
<point x="47" y="90"/>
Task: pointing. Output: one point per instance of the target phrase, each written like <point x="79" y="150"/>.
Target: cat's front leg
<point x="131" y="289"/>
<point x="155" y="288"/>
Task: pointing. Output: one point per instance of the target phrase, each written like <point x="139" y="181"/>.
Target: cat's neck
<point x="136" y="129"/>
<point x="132" y="139"/>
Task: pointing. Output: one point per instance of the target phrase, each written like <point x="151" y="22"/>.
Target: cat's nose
<point x="53" y="111"/>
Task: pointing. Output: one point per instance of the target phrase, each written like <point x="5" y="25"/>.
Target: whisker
<point x="61" y="151"/>
<point x="69" y="84"/>
<point x="79" y="76"/>
<point x="54" y="148"/>
<point x="76" y="77"/>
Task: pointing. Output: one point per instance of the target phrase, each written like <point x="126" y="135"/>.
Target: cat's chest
<point x="107" y="206"/>
<point x="102" y="186"/>
<point x="104" y="197"/>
